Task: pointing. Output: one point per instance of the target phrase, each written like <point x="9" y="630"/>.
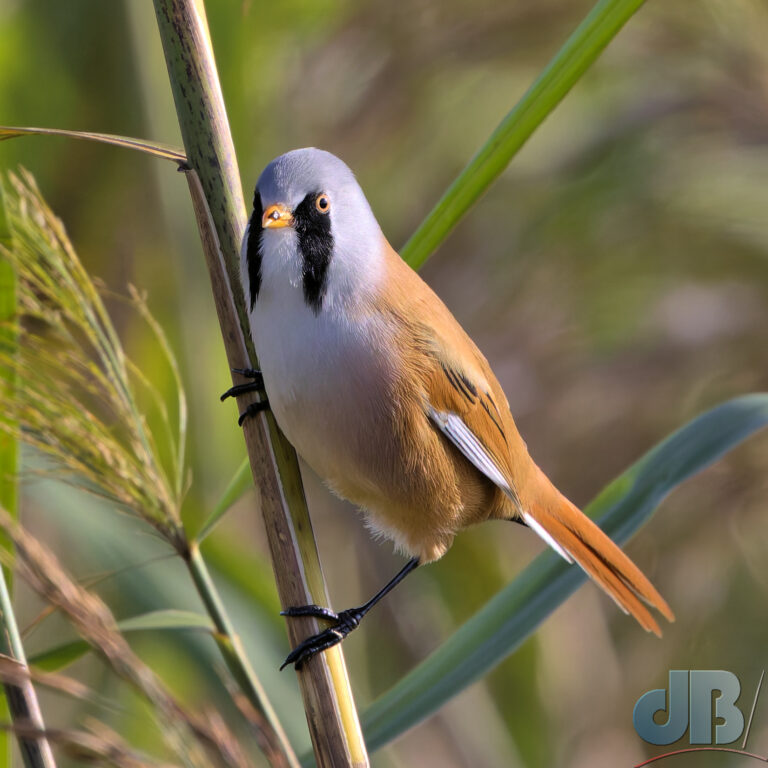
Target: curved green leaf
<point x="238" y="485"/>
<point x="514" y="613"/>
<point x="171" y="619"/>
<point x="60" y="656"/>
<point x="572" y="60"/>
<point x="142" y="145"/>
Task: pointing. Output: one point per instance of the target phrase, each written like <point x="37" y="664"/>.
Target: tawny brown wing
<point x="462" y="407"/>
<point x="465" y="399"/>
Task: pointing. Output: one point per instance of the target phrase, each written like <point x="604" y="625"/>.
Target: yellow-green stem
<point x="275" y="745"/>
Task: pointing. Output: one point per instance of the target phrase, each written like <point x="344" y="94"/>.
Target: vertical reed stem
<point x="215" y="187"/>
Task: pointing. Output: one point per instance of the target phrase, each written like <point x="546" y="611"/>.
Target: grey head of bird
<point x="313" y="229"/>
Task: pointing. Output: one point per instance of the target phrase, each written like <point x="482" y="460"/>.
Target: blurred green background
<point x="615" y="277"/>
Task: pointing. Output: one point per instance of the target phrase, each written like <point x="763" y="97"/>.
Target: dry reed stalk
<point x="200" y="738"/>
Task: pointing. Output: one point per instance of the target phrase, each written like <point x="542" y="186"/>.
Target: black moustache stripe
<point x="253" y="249"/>
<point x="316" y="246"/>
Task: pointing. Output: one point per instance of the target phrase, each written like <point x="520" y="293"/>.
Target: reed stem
<point x="217" y="198"/>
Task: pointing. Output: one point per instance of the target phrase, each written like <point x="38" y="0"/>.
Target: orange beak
<point x="276" y="217"/>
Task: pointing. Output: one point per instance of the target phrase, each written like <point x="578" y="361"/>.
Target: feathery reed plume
<point x="77" y="402"/>
<point x="77" y="395"/>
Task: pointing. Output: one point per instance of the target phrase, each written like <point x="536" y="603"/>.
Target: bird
<point x="386" y="397"/>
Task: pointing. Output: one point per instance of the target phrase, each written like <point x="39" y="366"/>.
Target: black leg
<point x="257" y="385"/>
<point x="249" y="373"/>
<point x="344" y="622"/>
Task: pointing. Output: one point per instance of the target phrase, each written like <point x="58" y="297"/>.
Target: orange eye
<point x="323" y="203"/>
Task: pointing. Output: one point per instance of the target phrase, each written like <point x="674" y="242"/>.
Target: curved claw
<point x="346" y="621"/>
<point x="241" y="389"/>
<point x="312" y="645"/>
<point x="251" y="409"/>
<point x="257" y="385"/>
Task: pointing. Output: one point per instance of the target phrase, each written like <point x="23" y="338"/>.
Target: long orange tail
<point x="597" y="555"/>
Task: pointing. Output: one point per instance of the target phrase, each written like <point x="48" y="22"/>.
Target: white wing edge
<point x="536" y="527"/>
<point x="454" y="428"/>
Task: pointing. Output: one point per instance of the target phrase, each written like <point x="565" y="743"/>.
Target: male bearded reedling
<point x="386" y="397"/>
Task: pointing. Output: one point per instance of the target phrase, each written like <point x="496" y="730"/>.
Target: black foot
<point x="317" y="611"/>
<point x="344" y="623"/>
<point x="251" y="410"/>
<point x="257" y="385"/>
